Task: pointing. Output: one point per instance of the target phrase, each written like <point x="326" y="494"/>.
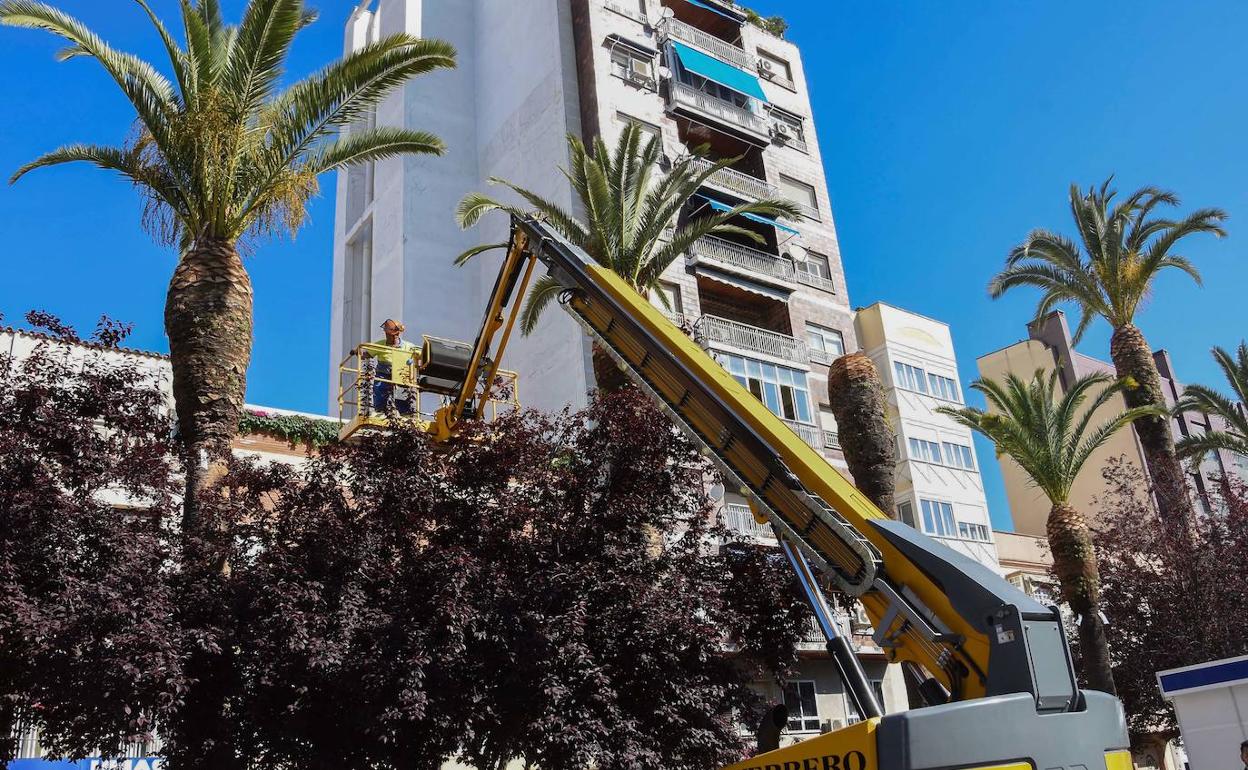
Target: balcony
<point x="721" y="49"/>
<point x="736" y="182"/>
<point x="715" y="331"/>
<point x="738" y="518"/>
<point x="737" y="258"/>
<point x="831" y="440"/>
<point x="707" y="106"/>
<point x="808" y="433"/>
<point x="815" y="281"/>
<point x="820" y="357"/>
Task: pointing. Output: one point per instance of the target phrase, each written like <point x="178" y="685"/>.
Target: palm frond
<point x="373" y="145"/>
<point x="478" y="249"/>
<point x="255" y="60"/>
<point x="544" y="291"/>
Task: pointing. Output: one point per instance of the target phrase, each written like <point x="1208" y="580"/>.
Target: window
<point x="799" y="697"/>
<point x="802" y="194"/>
<point x="670" y="291"/>
<point x="632" y="65"/>
<point x="905" y="512"/>
<point x="633" y="9"/>
<point x="814" y="271"/>
<point x="783" y="390"/>
<point x="789" y="129"/>
<point x="938" y="518"/>
<point x="774" y="68"/>
<point x="959" y="456"/>
<point x="943" y="387"/>
<point x="648" y="129"/>
<point x="831" y="436"/>
<point x="826" y="345"/>
<point x="910" y="377"/>
<point x="973" y="531"/>
<point x="922" y="449"/>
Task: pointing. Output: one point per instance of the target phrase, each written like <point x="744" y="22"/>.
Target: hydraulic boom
<point x="992" y="663"/>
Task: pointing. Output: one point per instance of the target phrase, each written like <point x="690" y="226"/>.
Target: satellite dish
<point x="665" y="73"/>
<point x="797" y="253"/>
<point x="666" y="13"/>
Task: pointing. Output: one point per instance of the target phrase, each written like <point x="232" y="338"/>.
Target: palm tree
<point x="628" y="217"/>
<point x="856" y="397"/>
<point x="1124" y="247"/>
<point x="1233" y="411"/>
<point x="1051" y="439"/>
<point x="223" y="155"/>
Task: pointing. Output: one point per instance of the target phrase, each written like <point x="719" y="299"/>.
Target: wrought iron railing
<point x="739" y="519"/>
<point x="727" y="253"/>
<point x="712" y="330"/>
<point x="831" y="440"/>
<point x="737" y="181"/>
<point x="814" y="280"/>
<point x="715" y="107"/>
<point x="808" y="433"/>
<point x="721" y="49"/>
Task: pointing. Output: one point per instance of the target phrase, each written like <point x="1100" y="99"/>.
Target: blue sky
<point x="948" y="131"/>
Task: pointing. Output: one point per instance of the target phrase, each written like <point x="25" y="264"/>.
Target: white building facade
<point x="692" y="73"/>
<point x="939" y="488"/>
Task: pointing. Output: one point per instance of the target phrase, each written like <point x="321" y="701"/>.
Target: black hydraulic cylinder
<point x="857" y="686"/>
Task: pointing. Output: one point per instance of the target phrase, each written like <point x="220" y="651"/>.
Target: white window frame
<point x="675" y="297"/>
<point x="810" y="205"/>
<point x="940" y="515"/>
<point x="757" y="384"/>
<point x="807" y="723"/>
<point x="925" y="450"/>
<point x="910" y="377"/>
<point x="647" y="128"/>
<point x="827" y="337"/>
<point x="958" y="455"/>
<point x="632" y="66"/>
<point x="978" y="533"/>
<point x="944" y="388"/>
<point x="781" y="71"/>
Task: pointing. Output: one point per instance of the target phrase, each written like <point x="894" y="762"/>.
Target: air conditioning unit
<point x="766" y="69"/>
<point x="783" y="130"/>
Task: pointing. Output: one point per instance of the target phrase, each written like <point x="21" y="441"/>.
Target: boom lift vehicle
<point x="992" y="664"/>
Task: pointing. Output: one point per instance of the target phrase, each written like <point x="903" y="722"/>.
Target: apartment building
<point x="691" y="73"/>
<point x="1048" y="347"/>
<point x="939" y="489"/>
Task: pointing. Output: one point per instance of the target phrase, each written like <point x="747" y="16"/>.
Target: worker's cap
<point x="392" y="325"/>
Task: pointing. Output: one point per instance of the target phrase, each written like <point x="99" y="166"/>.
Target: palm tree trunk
<point x="1133" y="360"/>
<point x="857" y="399"/>
<point x="607" y="374"/>
<point x="208" y="319"/>
<point x="1074" y="561"/>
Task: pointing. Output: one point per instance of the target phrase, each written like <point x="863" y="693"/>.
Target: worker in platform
<point x="394" y="358"/>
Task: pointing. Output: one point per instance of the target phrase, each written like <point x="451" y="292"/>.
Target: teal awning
<point x="713" y="9"/>
<point x="755" y="217"/>
<point x="713" y="69"/>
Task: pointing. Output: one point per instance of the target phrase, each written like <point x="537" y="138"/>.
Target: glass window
<point x="922" y="449"/>
<point x="803" y="707"/>
<point x="802" y="194"/>
<point x="816" y="265"/>
<point x="649" y="129"/>
<point x="973" y="531"/>
<point x="905" y="512"/>
<point x="670" y="292"/>
<point x="944" y="387"/>
<point x="959" y="456"/>
<point x="830" y="342"/>
<point x="910" y="377"/>
<point x="783" y="390"/>
<point x="938" y="518"/>
<point x="790" y="127"/>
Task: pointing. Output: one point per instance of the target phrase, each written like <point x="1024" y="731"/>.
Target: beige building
<point x="1048" y="347"/>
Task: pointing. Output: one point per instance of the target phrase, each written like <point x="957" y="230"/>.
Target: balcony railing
<point x="820" y="357"/>
<point x="831" y="440"/>
<point x="808" y="433"/>
<point x="716" y="108"/>
<point x="732" y="255"/>
<point x="721" y="49"/>
<point x="736" y="181"/>
<point x="713" y="330"/>
<point x="739" y="519"/>
<point x="815" y="281"/>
